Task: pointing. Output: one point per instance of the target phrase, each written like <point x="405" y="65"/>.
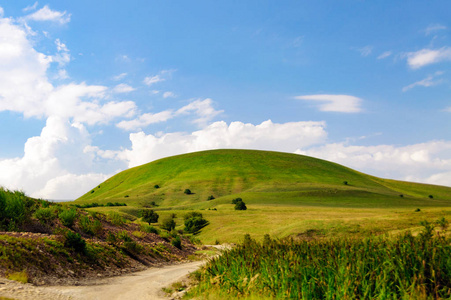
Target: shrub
<point x="188" y="191"/>
<point x="149" y="229"/>
<point x="168" y="224"/>
<point x="116" y="219"/>
<point x="149" y="216"/>
<point x="345" y="182"/>
<point x="431" y="197"/>
<point x="194" y="222"/>
<point x="75" y="241"/>
<point x="236" y="200"/>
<point x="45" y="215"/>
<point x="211" y="197"/>
<point x="177" y="242"/>
<point x="417" y="210"/>
<point x="240" y="206"/>
<point x="68" y="217"/>
<point x="89" y="226"/>
<point x="156" y="186"/>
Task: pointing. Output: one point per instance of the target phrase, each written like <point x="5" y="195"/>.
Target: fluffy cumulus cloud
<point x="335" y="103"/>
<point x="285" y="137"/>
<point x="425" y="57"/>
<point x="53" y="157"/>
<point x="123" y="88"/>
<point x="426" y="162"/>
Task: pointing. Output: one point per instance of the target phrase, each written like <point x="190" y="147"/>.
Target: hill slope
<point x="261" y="177"/>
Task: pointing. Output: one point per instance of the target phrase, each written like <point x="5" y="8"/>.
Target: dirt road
<point x="136" y="286"/>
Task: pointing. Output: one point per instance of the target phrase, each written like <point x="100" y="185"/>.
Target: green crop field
<point x="285" y="195"/>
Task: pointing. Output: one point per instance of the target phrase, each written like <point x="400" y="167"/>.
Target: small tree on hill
<point x="236" y="200"/>
<point x="240" y="205"/>
<point x="188" y="191"/>
<point x="194" y="222"/>
<point x="150" y="216"/>
<point x="168" y="224"/>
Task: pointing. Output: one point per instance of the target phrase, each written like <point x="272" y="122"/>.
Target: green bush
<point x="211" y="197"/>
<point x="149" y="216"/>
<point x="116" y="219"/>
<point x="92" y="227"/>
<point x="188" y="191"/>
<point x="68" y="217"/>
<point x="194" y="222"/>
<point x="149" y="229"/>
<point x="236" y="200"/>
<point x="177" y="242"/>
<point x="240" y="205"/>
<point x="45" y="215"/>
<point x="168" y="224"/>
<point x="75" y="241"/>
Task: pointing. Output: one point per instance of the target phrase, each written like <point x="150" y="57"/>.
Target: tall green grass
<point x="404" y="267"/>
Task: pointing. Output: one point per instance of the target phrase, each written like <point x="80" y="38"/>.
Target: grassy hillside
<point x="286" y="194"/>
<point x="260" y="176"/>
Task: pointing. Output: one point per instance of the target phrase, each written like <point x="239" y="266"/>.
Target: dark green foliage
<point x="68" y="217"/>
<point x="149" y="229"/>
<point x="431" y="197"/>
<point x="401" y="195"/>
<point x="188" y="191"/>
<point x="177" y="242"/>
<point x="402" y="267"/>
<point x="116" y="219"/>
<point x="194" y="222"/>
<point x="75" y="241"/>
<point x="236" y="200"/>
<point x="92" y="191"/>
<point x="14" y="209"/>
<point x="211" y="197"/>
<point x="156" y="186"/>
<point x="89" y="226"/>
<point x="45" y="215"/>
<point x="168" y="224"/>
<point x="417" y="210"/>
<point x="89" y="205"/>
<point x="149" y="216"/>
<point x="345" y="182"/>
<point x="240" y="205"/>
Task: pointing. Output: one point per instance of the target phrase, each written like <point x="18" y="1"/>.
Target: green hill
<point x="286" y="195"/>
<point x="261" y="177"/>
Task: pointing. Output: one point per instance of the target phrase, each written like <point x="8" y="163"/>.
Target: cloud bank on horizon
<point x="73" y="118"/>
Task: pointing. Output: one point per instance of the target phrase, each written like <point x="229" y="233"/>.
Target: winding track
<point x="136" y="286"/>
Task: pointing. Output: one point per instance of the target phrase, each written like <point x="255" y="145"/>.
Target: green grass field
<point x="286" y="194"/>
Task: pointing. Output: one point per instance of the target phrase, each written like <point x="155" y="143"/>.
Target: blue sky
<point x="89" y="88"/>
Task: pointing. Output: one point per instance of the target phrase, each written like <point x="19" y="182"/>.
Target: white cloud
<point x="285" y="137"/>
<point x="425" y="162"/>
<point x="63" y="56"/>
<point x="145" y="120"/>
<point x="425" y="57"/>
<point x="202" y="108"/>
<point x="434" y="28"/>
<point x="335" y="103"/>
<point x="31" y="7"/>
<point x="168" y="95"/>
<point x="120" y="76"/>
<point x="53" y="157"/>
<point x="123" y="88"/>
<point x="427" y="82"/>
<point x="46" y="14"/>
<point x="384" y="55"/>
<point x="152" y="80"/>
<point x="365" y="51"/>
<point x="2" y="12"/>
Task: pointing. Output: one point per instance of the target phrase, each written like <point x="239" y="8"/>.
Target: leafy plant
<point x="240" y="205"/>
<point x="149" y="216"/>
<point x="68" y="217"/>
<point x="168" y="224"/>
<point x="188" y="191"/>
<point x="177" y="242"/>
<point x="75" y="241"/>
<point x="194" y="222"/>
<point x="45" y="215"/>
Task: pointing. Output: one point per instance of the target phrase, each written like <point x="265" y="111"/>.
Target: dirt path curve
<point x="136" y="286"/>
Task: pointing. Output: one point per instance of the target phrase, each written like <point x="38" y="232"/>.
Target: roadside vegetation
<point x="375" y="267"/>
<point x="45" y="242"/>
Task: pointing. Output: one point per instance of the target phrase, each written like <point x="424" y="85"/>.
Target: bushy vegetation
<point x="168" y="223"/>
<point x="149" y="216"/>
<point x="15" y="209"/>
<point x="239" y="204"/>
<point x="67" y="217"/>
<point x="90" y="226"/>
<point x="95" y="204"/>
<point x="194" y="222"/>
<point x="75" y="241"/>
<point x="402" y="267"/>
<point x="187" y="191"/>
<point x="177" y="242"/>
